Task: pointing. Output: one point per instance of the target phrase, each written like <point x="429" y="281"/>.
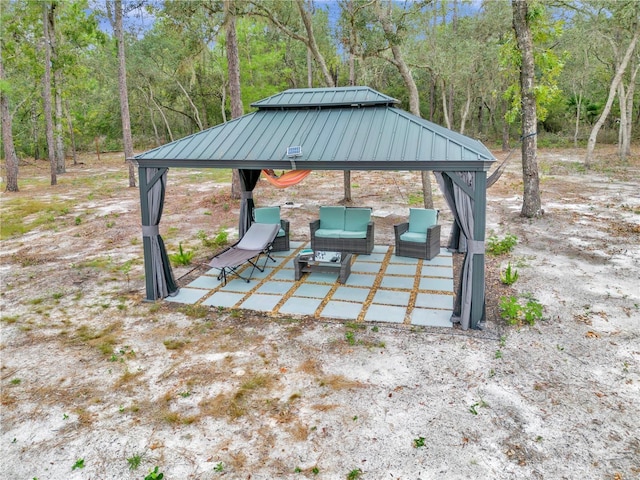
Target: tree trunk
<point x="531" y="206"/>
<point x="127" y="139"/>
<point x="629" y="124"/>
<point x="410" y="84"/>
<point x="465" y="109"/>
<point x="309" y="68"/>
<point x="622" y="127"/>
<point x="10" y="157"/>
<point x="591" y="143"/>
<point x="312" y="44"/>
<point x="72" y="136"/>
<point x="233" y="65"/>
<point x="57" y="89"/>
<point x="576" y="131"/>
<point x="60" y="154"/>
<point x="46" y="94"/>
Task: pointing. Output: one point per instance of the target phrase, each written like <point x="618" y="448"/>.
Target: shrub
<point x="514" y="312"/>
<point x="182" y="257"/>
<point x="496" y="246"/>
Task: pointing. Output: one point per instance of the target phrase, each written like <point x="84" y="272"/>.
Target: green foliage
<point x="154" y="474"/>
<point x="419" y="442"/>
<point x="78" y="465"/>
<point x="134" y="461"/>
<point x="545" y="32"/>
<point x="509" y="276"/>
<point x="354" y="474"/>
<point x="220" y="240"/>
<point x="182" y="257"/>
<point x="514" y="312"/>
<point x="497" y="246"/>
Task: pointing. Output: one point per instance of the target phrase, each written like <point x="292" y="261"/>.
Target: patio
<point x="382" y="287"/>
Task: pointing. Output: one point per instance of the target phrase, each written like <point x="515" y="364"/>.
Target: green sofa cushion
<point x="357" y="220"/>
<point x="420" y="219"/>
<point x="332" y="218"/>
<point x="328" y="233"/>
<point x="351" y="234"/>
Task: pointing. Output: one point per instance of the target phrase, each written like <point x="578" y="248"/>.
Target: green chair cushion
<point x="357" y="219"/>
<point x="332" y="218"/>
<point x="267" y="215"/>
<point x="281" y="233"/>
<point x="420" y="219"/>
<point x="414" y="237"/>
<point x="328" y="233"/>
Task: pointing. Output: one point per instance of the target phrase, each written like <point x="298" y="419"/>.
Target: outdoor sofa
<point x="343" y="229"/>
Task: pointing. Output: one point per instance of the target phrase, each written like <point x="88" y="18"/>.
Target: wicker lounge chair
<point x="255" y="243"/>
<point x="420" y="236"/>
<point x="272" y="215"/>
<point x="345" y="230"/>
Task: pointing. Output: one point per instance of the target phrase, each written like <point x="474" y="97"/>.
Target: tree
<point x="531" y="205"/>
<point x="233" y="67"/>
<point x="46" y="95"/>
<point x="10" y="157"/>
<point x="115" y="16"/>
<point x="613" y="88"/>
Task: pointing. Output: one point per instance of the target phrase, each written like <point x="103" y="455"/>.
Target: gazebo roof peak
<point x="326" y="97"/>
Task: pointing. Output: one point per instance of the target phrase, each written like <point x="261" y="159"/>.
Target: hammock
<point x="287" y="179"/>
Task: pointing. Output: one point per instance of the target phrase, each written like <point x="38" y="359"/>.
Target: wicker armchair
<point x="346" y="230"/>
<point x="420" y="236"/>
<point x="271" y="215"/>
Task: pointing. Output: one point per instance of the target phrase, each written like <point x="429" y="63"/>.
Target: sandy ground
<point x="98" y="384"/>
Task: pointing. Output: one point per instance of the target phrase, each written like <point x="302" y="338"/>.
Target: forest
<point x="454" y="62"/>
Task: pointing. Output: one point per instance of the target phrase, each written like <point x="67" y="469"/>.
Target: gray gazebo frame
<point x="348" y="128"/>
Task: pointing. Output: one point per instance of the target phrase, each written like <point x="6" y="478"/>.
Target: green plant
<point x="134" y="462"/>
<point x="15" y="381"/>
<point x="419" y="442"/>
<point x="503" y="340"/>
<point x="79" y="464"/>
<point x="154" y="474"/>
<point x="509" y="276"/>
<point x="350" y="337"/>
<point x="354" y="474"/>
<point x="182" y="257"/>
<point x="496" y="246"/>
<point x="219" y="467"/>
<point x="221" y="238"/>
<point x="315" y="470"/>
<point x="126" y="270"/>
<point x="498" y="353"/>
<point x="473" y="408"/>
<point x="513" y="312"/>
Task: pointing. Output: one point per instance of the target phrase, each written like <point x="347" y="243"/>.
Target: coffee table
<point x="308" y="263"/>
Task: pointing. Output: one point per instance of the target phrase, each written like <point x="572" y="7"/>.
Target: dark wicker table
<point x="307" y="264"/>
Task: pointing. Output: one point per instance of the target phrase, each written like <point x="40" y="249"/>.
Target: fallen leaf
<point x="592" y="334"/>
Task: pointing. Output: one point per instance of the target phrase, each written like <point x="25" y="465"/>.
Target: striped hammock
<point x="287" y="179"/>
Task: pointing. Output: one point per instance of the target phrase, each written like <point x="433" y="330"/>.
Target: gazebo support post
<point x="479" y="227"/>
<point x="146" y="241"/>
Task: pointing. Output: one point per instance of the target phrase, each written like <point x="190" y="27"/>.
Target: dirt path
<point x="95" y="378"/>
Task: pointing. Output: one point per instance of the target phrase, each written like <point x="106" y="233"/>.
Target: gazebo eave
<point x="362" y="165"/>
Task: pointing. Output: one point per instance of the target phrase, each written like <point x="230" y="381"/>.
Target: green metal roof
<point x="351" y="128"/>
<point x="326" y="98"/>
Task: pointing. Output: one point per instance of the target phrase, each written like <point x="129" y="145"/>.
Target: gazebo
<point x="344" y="128"/>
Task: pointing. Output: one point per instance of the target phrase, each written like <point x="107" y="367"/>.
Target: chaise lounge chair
<point x="256" y="242"/>
<point x="272" y="215"/>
